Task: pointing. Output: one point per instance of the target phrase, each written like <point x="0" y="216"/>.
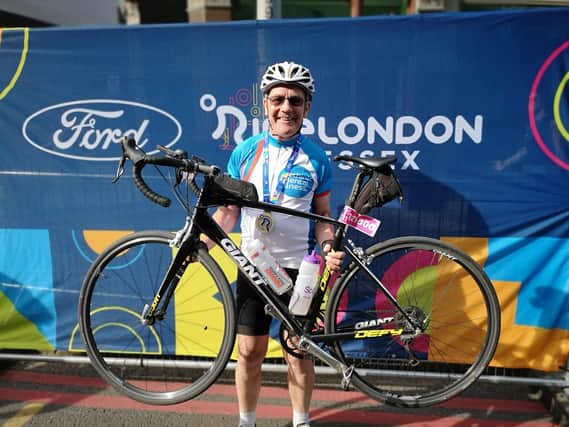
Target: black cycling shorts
<point x="251" y="317"/>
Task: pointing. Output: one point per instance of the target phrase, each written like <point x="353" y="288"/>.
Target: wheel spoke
<point x="440" y="289"/>
<point x="162" y="362"/>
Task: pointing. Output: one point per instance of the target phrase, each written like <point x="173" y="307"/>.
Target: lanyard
<point x="272" y="198"/>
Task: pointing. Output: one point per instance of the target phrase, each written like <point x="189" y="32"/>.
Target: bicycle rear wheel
<point x="177" y="357"/>
<point x="441" y="289"/>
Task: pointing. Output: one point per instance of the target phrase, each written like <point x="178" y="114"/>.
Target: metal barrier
<point x="494" y="376"/>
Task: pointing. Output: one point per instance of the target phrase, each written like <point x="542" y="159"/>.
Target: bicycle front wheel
<point x="184" y="351"/>
<point x="442" y="342"/>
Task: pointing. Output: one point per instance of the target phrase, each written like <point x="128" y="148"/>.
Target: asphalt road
<point x="44" y="394"/>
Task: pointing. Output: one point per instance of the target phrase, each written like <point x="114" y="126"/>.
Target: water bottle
<point x="271" y="270"/>
<point x="306" y="283"/>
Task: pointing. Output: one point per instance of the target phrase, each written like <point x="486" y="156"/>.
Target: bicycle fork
<point x="150" y="312"/>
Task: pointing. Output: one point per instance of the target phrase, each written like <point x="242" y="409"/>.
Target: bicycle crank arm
<point x="310" y="346"/>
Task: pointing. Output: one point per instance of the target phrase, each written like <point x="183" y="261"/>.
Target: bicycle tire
<point x="178" y="357"/>
<point x="440" y="287"/>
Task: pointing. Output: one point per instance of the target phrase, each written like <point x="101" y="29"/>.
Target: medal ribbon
<point x="272" y="198"/>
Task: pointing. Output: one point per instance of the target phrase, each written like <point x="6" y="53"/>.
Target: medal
<point x="264" y="222"/>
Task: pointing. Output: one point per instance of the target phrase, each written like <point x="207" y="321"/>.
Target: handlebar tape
<point x="140" y="159"/>
<point x="145" y="189"/>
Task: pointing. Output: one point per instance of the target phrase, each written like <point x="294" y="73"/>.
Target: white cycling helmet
<point x="288" y="73"/>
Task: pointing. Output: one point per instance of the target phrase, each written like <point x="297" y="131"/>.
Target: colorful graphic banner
<point x="474" y="105"/>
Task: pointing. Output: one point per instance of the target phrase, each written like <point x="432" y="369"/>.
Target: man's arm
<point x="226" y="217"/>
<point x="325" y="232"/>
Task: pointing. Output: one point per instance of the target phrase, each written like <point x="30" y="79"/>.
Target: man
<point x="289" y="170"/>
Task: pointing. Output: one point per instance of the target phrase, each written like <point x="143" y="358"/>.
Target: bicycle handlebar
<point x="178" y="159"/>
<point x="171" y="159"/>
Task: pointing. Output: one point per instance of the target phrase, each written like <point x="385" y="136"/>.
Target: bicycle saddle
<point x="368" y="162"/>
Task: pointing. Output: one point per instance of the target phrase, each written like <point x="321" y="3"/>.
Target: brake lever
<point x="176" y="154"/>
<point x="120" y="167"/>
<point x="179" y="177"/>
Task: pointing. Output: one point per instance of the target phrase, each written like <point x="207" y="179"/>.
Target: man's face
<point x="285" y="107"/>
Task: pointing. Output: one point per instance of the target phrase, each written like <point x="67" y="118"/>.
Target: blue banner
<point x="474" y="105"/>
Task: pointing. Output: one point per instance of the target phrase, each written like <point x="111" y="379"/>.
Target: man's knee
<point x="251" y="350"/>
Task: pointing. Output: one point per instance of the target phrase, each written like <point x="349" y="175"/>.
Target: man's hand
<point x="333" y="259"/>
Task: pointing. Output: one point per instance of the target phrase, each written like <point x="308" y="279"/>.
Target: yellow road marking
<point x="24" y="415"/>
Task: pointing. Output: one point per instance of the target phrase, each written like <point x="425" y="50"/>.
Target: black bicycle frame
<point x="205" y="224"/>
<point x="202" y="222"/>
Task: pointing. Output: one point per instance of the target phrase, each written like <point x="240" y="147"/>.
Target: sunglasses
<point x="295" y="101"/>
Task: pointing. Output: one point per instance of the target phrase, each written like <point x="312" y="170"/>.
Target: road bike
<point x="410" y="321"/>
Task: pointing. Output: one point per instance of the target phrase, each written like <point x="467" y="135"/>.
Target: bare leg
<point x="250" y="356"/>
<point x="301" y="379"/>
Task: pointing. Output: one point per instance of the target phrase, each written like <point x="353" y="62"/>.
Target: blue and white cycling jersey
<point x="310" y="177"/>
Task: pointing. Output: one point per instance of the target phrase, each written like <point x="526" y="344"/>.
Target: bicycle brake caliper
<point x="359" y="252"/>
<point x="181" y="234"/>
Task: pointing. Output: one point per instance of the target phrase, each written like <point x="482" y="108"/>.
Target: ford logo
<point x="91" y="129"/>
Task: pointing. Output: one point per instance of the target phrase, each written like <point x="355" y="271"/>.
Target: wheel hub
<point x="414" y="324"/>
